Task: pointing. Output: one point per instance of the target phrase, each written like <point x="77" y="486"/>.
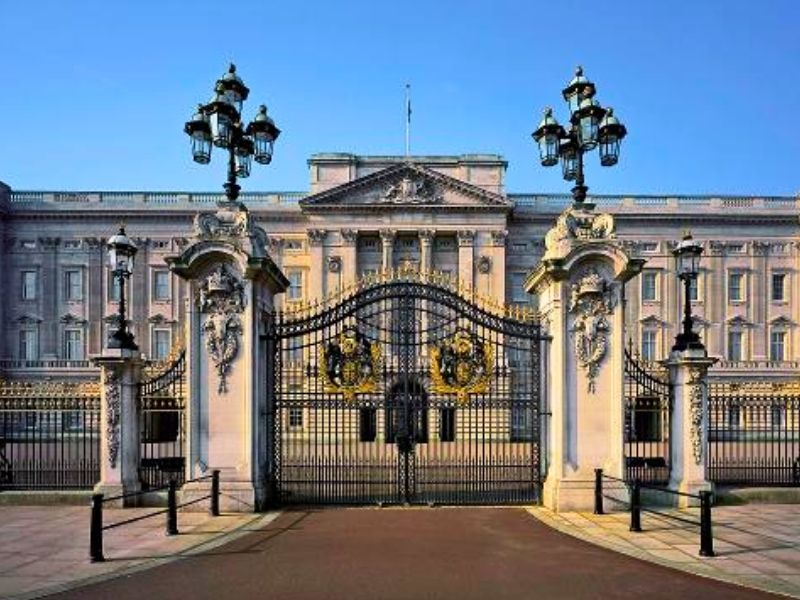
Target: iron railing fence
<point x="49" y="435"/>
<point x="647" y="422"/>
<point x="754" y="433"/>
<point x="162" y="404"/>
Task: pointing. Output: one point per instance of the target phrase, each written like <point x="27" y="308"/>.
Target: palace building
<point x="363" y="215"/>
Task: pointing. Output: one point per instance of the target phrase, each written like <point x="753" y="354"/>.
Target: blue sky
<point x="95" y="94"/>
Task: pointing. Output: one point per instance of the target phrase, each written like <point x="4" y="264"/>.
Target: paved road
<point x="480" y="553"/>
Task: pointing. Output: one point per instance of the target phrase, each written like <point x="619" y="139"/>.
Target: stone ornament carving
<point x="222" y="224"/>
<point x="113" y="408"/>
<point x="408" y="190"/>
<point x="592" y="300"/>
<point x="349" y="236"/>
<point x="484" y="264"/>
<point x="578" y="224"/>
<point x="334" y="264"/>
<point x="466" y="237"/>
<point x="426" y="236"/>
<point x="221" y="298"/>
<point x="696" y="392"/>
<point x="316" y="236"/>
<point x="387" y="236"/>
<point x="499" y="237"/>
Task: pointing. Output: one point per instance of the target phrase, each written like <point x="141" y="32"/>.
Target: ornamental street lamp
<point x="591" y="126"/>
<point x="218" y="123"/>
<point x="121" y="252"/>
<point x="687" y="259"/>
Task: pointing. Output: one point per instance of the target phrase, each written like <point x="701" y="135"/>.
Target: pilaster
<point x="349" y="251"/>
<point x="466" y="253"/>
<point x="498" y="265"/>
<point x="319" y="267"/>
<point x="426" y="237"/>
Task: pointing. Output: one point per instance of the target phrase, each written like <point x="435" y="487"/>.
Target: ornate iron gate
<point x="404" y="391"/>
<point x="647" y="422"/>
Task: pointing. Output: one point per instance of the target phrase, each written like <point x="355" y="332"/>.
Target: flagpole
<point x="408" y="120"/>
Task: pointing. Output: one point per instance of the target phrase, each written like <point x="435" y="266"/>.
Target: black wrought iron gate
<point x="405" y="392"/>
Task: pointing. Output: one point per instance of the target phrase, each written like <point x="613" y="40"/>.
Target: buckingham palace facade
<point x="367" y="214"/>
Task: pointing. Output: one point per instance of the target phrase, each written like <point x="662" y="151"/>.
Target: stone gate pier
<point x="580" y="287"/>
<point x="232" y="282"/>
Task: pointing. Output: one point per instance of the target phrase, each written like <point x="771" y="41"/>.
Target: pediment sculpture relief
<point x="408" y="190"/>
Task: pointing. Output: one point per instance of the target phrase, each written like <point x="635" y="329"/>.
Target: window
<point x="693" y="287"/>
<point x="734" y="417"/>
<point x="649" y="286"/>
<point x="295" y="291"/>
<point x="447" y="424"/>
<point x="29" y="285"/>
<point x="293" y="244"/>
<point x="735" y="289"/>
<point x="735" y="248"/>
<point x="777" y="340"/>
<point x="649" y="246"/>
<point x="29" y="344"/>
<point x="518" y="293"/>
<point x="735" y="345"/>
<point x="73" y="284"/>
<point x="647" y="420"/>
<point x="778" y="286"/>
<point x="368" y="425"/>
<point x="28" y="244"/>
<point x="113" y="287"/>
<point x="521" y="422"/>
<point x="161" y="285"/>
<point x="294" y="354"/>
<point x="295" y="417"/>
<point x="777" y="414"/>
<point x="648" y="344"/>
<point x="73" y="344"/>
<point x="72" y="244"/>
<point x="162" y="342"/>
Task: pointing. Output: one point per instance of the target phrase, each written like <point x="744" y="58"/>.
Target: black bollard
<point x="636" y="506"/>
<point x="215" y="493"/>
<point x="172" y="509"/>
<point x="706" y="538"/>
<point x="96" y="529"/>
<point x="598" y="491"/>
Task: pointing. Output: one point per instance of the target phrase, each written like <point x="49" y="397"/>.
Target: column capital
<point x="274" y="244"/>
<point x="387" y="236"/>
<point x="426" y="236"/>
<point x="349" y="236"/>
<point x="50" y="243"/>
<point x="466" y="237"/>
<point x="499" y="237"/>
<point x="316" y="236"/>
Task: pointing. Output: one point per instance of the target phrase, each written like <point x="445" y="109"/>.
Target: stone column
<point x="318" y="272"/>
<point x="498" y="270"/>
<point x="349" y="256"/>
<point x="119" y="424"/>
<point x="387" y="244"/>
<point x="51" y="293"/>
<point x="466" y="240"/>
<point x="579" y="282"/>
<point x="426" y="249"/>
<point x="232" y="282"/>
<point x="688" y="371"/>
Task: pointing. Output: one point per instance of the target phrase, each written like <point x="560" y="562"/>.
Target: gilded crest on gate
<point x="461" y="365"/>
<point x="350" y="364"/>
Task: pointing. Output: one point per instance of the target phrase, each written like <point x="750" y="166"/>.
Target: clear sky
<point x="95" y="94"/>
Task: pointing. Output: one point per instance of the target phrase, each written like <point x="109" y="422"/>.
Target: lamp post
<point x="590" y="126"/>
<point x="121" y="252"/>
<point x="687" y="257"/>
<point x="219" y="123"/>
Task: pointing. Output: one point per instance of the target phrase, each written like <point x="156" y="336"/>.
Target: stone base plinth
<point x="110" y="490"/>
<point x="689" y="487"/>
<point x="234" y="496"/>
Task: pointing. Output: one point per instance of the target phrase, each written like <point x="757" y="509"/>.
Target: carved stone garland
<point x="113" y="408"/>
<point x="221" y="298"/>
<point x="592" y="300"/>
<point x="696" y="413"/>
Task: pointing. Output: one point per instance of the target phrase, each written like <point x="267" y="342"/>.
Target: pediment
<point x="405" y="186"/>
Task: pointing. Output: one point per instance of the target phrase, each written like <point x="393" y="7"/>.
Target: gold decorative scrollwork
<point x="350" y="365"/>
<point x="461" y="365"/>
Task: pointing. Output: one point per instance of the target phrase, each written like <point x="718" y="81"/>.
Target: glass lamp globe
<point x="121" y="252"/>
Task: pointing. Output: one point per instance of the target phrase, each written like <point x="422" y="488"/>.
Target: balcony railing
<point x="177" y="199"/>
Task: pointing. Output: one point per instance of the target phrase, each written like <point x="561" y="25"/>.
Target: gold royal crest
<point x="350" y="365"/>
<point x="461" y="365"/>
